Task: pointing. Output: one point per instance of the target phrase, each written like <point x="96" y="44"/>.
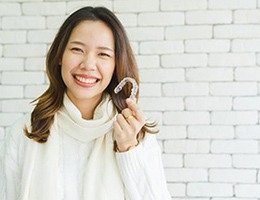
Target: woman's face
<point x="88" y="61"/>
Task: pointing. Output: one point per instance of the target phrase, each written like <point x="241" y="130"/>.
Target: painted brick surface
<point x="199" y="62"/>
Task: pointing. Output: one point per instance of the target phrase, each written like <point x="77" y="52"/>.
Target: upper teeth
<point x="85" y="80"/>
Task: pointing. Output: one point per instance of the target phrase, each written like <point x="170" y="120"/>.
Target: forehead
<point x="88" y="30"/>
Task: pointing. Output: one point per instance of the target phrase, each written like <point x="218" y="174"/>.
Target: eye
<point x="76" y="49"/>
<point x="104" y="54"/>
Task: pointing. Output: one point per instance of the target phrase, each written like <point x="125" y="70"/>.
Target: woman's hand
<point x="127" y="125"/>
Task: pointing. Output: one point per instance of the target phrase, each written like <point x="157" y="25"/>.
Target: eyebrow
<point x="99" y="47"/>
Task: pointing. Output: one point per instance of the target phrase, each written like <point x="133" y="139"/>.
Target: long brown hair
<point x="51" y="100"/>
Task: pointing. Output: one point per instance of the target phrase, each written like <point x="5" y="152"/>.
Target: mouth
<point x="85" y="80"/>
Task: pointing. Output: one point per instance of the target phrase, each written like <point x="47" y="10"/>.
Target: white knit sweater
<point x="141" y="168"/>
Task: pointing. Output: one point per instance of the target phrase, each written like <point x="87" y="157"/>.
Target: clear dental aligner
<point x="122" y="83"/>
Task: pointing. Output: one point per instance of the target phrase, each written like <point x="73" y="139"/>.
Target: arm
<point x="142" y="171"/>
<point x="140" y="166"/>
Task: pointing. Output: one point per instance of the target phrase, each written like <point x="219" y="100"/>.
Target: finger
<point x="123" y="123"/>
<point x="136" y="109"/>
<point x="117" y="126"/>
<point x="134" y="124"/>
<point x="127" y="112"/>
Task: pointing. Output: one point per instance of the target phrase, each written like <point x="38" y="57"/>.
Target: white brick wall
<point x="199" y="63"/>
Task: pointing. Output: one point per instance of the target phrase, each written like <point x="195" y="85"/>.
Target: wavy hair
<point x="51" y="100"/>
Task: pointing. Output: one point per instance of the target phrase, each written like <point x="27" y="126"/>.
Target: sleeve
<point x="142" y="171"/>
<point x="9" y="169"/>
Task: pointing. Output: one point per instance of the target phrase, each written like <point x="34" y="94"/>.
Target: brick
<point x="183" y="5"/>
<point x="232" y="198"/>
<point x="258" y="59"/>
<point x="25" y="50"/>
<point x="186" y="175"/>
<point x="232" y="175"/>
<point x="210" y="189"/>
<point x="188" y="32"/>
<point x="234" y="146"/>
<point x="7" y="119"/>
<point x="177" y="190"/>
<point x="232" y="59"/>
<point x="247" y="103"/>
<point x="172" y="132"/>
<point x="161" y="75"/>
<point x="207" y="161"/>
<point x="41" y="36"/>
<point x="211" y="132"/>
<point x="145" y="33"/>
<point x="248" y="132"/>
<point x="35" y="64"/>
<point x="249" y="45"/>
<point x="161" y="19"/>
<point x="75" y="5"/>
<point x="33" y="91"/>
<point x="1" y="50"/>
<point x="233" y="89"/>
<point x="9" y="9"/>
<point x="208" y="103"/>
<point x="148" y="61"/>
<point x="136" y="6"/>
<point x="11" y="64"/>
<point x="186" y="118"/>
<point x="8" y="92"/>
<point x="209" y="17"/>
<point x="54" y="22"/>
<point x="247" y="190"/>
<point x="184" y="60"/>
<point x="246" y="161"/>
<point x="12" y="37"/>
<point x="135" y="47"/>
<point x="234" y="117"/>
<point x="44" y="8"/>
<point x="232" y="4"/>
<point x="209" y="74"/>
<point x="161" y="104"/>
<point x="128" y="19"/>
<point x="195" y="199"/>
<point x="205" y="46"/>
<point x="161" y="47"/>
<point x="237" y="31"/>
<point x="247" y="16"/>
<point x="22" y="78"/>
<point x="170" y="160"/>
<point x="150" y="90"/>
<point x="21" y="105"/>
<point x="154" y="117"/>
<point x="186" y="146"/>
<point x="19" y="0"/>
<point x="2" y="135"/>
<point x="247" y="74"/>
<point x="185" y="89"/>
<point x="23" y="22"/>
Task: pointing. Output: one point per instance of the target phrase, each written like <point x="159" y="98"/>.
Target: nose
<point x="88" y="62"/>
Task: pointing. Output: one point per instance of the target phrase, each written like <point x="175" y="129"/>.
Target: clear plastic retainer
<point x="122" y="83"/>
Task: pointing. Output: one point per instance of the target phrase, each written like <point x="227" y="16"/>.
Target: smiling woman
<point x="89" y="62"/>
<point x="82" y="141"/>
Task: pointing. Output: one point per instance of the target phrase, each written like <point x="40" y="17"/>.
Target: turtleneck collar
<point x="70" y="120"/>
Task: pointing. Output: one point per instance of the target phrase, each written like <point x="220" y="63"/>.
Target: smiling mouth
<point x="86" y="80"/>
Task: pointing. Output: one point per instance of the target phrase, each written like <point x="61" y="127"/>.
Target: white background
<point x="199" y="62"/>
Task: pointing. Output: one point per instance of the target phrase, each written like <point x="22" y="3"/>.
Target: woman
<point x="82" y="141"/>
